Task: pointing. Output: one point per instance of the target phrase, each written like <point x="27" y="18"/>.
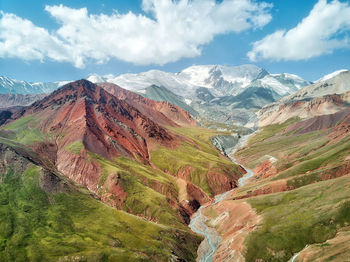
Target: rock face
<point x="104" y="124"/>
<point x="337" y="84"/>
<point x="225" y="143"/>
<point x="281" y="111"/>
<point x="322" y="122"/>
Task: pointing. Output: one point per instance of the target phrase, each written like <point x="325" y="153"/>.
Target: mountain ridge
<point x="324" y="97"/>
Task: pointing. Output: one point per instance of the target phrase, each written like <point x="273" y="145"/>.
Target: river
<point x="198" y="222"/>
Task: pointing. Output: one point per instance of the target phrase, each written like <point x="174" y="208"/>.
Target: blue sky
<point x="318" y="46"/>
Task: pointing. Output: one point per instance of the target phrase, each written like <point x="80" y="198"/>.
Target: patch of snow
<point x="331" y="75"/>
<point x="188" y="101"/>
<point x="94" y="78"/>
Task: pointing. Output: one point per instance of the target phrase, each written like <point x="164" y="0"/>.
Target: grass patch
<point x="272" y="130"/>
<point x="279" y="147"/>
<point x="25" y="130"/>
<point x="75" y="147"/>
<point x="311" y="214"/>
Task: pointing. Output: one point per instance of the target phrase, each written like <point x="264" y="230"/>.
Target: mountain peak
<point x="78" y="89"/>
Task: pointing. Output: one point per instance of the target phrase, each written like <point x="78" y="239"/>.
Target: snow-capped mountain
<point x="282" y="84"/>
<point x="95" y="78"/>
<point x="139" y="82"/>
<point x="221" y="80"/>
<point x="13" y="86"/>
<point x="229" y="94"/>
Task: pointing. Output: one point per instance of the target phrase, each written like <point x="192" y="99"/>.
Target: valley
<point x="175" y="131"/>
<point x="106" y="173"/>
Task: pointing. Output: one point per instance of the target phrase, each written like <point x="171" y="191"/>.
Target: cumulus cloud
<point x="166" y="32"/>
<point x="321" y="32"/>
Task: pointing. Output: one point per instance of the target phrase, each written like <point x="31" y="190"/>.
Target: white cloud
<point x="20" y="38"/>
<point x="319" y="33"/>
<point x="168" y="31"/>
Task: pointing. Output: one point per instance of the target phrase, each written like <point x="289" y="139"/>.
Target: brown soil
<point x="235" y="221"/>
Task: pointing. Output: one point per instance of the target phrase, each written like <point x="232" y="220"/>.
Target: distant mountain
<point x="282" y="84"/>
<point x="222" y="80"/>
<point x="334" y="83"/>
<point x="250" y="98"/>
<point x="13" y="86"/>
<point x="229" y="94"/>
<point x="202" y="88"/>
<point x="323" y="97"/>
<point x="160" y="93"/>
<point x="139" y="82"/>
<point x="10" y="100"/>
<point x="161" y="112"/>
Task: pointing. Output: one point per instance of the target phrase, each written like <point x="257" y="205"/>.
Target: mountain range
<point x="229" y="94"/>
<point x="115" y="168"/>
<point x="226" y="94"/>
<point x="13" y="86"/>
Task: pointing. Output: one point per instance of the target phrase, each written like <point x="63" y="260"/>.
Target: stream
<point x="198" y="222"/>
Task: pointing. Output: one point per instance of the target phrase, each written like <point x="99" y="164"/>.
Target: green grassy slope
<point x="315" y="169"/>
<point x="197" y="153"/>
<point x="292" y="220"/>
<point x="301" y="158"/>
<point x="40" y="226"/>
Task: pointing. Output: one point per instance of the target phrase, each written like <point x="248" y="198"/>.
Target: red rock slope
<point x="82" y="117"/>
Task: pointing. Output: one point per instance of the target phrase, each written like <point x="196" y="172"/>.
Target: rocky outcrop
<point x="265" y="169"/>
<point x="220" y="183"/>
<point x="18" y="160"/>
<point x="196" y="196"/>
<point x="225" y="143"/>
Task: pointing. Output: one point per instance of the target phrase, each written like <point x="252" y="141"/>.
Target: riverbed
<point x="212" y="240"/>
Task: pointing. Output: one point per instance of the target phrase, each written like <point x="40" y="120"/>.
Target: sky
<point x="68" y="40"/>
